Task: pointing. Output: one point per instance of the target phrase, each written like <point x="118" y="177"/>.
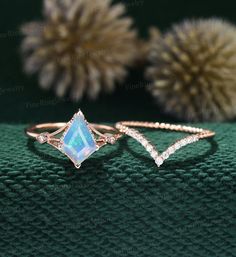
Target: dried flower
<point x="82" y="45"/>
<point x="193" y="67"/>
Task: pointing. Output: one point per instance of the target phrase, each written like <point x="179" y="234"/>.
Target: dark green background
<point x="118" y="203"/>
<point x="21" y="99"/>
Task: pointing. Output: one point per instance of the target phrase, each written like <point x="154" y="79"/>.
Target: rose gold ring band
<point x="127" y="127"/>
<point x="47" y="132"/>
<point x="77" y="139"/>
<point x="35" y="130"/>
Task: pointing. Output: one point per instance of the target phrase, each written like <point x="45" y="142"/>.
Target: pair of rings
<point x="79" y="139"/>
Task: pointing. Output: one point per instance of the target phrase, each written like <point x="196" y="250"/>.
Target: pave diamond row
<point x="198" y="133"/>
<point x="141" y="139"/>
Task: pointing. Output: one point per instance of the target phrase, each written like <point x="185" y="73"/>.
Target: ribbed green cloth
<point x="119" y="203"/>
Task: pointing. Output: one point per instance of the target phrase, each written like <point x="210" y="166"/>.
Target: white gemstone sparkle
<point x="160" y="158"/>
<point x="42" y="138"/>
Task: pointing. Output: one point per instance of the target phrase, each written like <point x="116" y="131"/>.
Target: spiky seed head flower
<point x="81" y="45"/>
<point x="193" y="69"/>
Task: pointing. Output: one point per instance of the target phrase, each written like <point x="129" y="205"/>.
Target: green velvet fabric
<point x="119" y="203"/>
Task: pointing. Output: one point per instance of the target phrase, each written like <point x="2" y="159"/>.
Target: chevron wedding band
<point x="126" y="127"/>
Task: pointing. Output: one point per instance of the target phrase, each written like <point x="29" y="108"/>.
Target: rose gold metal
<point x="53" y="133"/>
<point x="106" y="134"/>
<point x="126" y="127"/>
<point x="58" y="127"/>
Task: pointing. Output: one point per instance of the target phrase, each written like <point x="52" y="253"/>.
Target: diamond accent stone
<point x="160" y="158"/>
<point x="111" y="140"/>
<point x="159" y="162"/>
<point x="42" y="138"/>
<point x="198" y="133"/>
<point x="78" y="142"/>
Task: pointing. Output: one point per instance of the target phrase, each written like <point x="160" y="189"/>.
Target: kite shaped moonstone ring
<point x="77" y="139"/>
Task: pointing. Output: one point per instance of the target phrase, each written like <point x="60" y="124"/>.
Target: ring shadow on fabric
<point x="123" y="146"/>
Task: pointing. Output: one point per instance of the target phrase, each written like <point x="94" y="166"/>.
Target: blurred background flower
<point x="96" y="59"/>
<point x="193" y="70"/>
<point x="81" y="46"/>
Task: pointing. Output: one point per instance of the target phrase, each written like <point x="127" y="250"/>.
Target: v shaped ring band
<point x="127" y="127"/>
<point x="78" y="139"/>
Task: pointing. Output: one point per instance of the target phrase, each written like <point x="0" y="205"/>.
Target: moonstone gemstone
<point x="78" y="142"/>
